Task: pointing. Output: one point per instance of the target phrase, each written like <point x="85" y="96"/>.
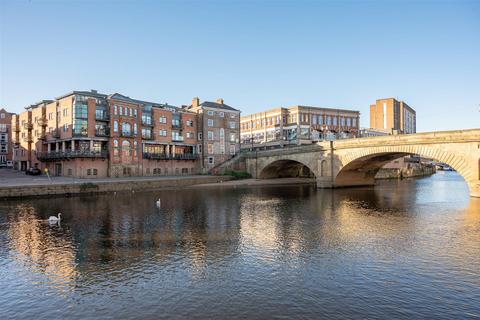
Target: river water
<point x="405" y="249"/>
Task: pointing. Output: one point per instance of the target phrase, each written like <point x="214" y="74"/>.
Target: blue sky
<point x="254" y="54"/>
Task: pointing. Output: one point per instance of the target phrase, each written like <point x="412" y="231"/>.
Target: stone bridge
<point x="355" y="162"/>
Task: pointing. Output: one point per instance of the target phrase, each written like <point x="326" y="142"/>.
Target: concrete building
<point x="6" y="148"/>
<point x="89" y="134"/>
<point x="297" y="125"/>
<point x="218" y="131"/>
<point x="390" y="114"/>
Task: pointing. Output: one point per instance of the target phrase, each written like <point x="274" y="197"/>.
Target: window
<point x="65" y="112"/>
<point x="210" y="135"/>
<point x="65" y="127"/>
<point x="210" y="160"/>
<point x="222" y="133"/>
<point x="354" y="122"/>
<point x="126" y="128"/>
<point x="126" y="148"/>
<point x="131" y="112"/>
<point x="2" y="115"/>
<point x="120" y="111"/>
<point x="95" y="172"/>
<point x="163" y="133"/>
<point x="232" y="115"/>
<point x="232" y="124"/>
<point x="210" y="113"/>
<point x="200" y="136"/>
<point x="134" y="128"/>
<point x="115" y="110"/>
<point x="69" y="171"/>
<point x="232" y="149"/>
<point x="115" y="148"/>
<point x="89" y="172"/>
<point x="189" y="123"/>
<point x="135" y="145"/>
<point x="115" y="126"/>
<point x="232" y="137"/>
<point x="199" y="148"/>
<point x="210" y="122"/>
<point x="80" y="111"/>
<point x="221" y="114"/>
<point x="190" y="135"/>
<point x="210" y="148"/>
<point x="135" y="113"/>
<point x="163" y="119"/>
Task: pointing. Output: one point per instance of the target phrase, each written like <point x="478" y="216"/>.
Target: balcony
<point x="28" y="138"/>
<point x="59" y="155"/>
<point x="102" y="116"/>
<point x="127" y="134"/>
<point x="176" y="126"/>
<point x="15" y="140"/>
<point x="56" y="133"/>
<point x="147" y="136"/>
<point x="165" y="156"/>
<point x="42" y="122"/>
<point x="28" y="125"/>
<point x="178" y="139"/>
<point x="104" y="132"/>
<point x="147" y="123"/>
<point x="16" y="128"/>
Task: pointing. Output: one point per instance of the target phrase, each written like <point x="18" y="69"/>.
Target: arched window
<point x="115" y="148"/>
<point x="134" y="128"/>
<point x="126" y="148"/>
<point x="126" y="128"/>
<point x="115" y="127"/>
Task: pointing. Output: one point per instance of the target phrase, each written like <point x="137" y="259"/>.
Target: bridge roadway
<point x="355" y="162"/>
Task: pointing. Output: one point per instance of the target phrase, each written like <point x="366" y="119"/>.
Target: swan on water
<point x="53" y="219"/>
<point x="159" y="203"/>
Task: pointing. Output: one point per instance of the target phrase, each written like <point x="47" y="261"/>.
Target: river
<point x="405" y="249"/>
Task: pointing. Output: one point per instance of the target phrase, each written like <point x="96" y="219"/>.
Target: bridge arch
<point x="359" y="167"/>
<point x="286" y="168"/>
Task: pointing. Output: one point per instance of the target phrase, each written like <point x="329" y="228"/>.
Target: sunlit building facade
<point x="393" y="115"/>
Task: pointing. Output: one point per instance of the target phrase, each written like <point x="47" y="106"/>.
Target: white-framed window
<point x="232" y="124"/>
<point x="232" y="149"/>
<point x="211" y="160"/>
<point x="210" y="135"/>
<point x="210" y="122"/>
<point x="221" y="114"/>
<point x="210" y="113"/>
<point x="222" y="133"/>
<point x="135" y="113"/>
<point x="189" y="123"/>
<point x="65" y="112"/>
<point x="200" y="136"/>
<point x="232" y="137"/>
<point x="163" y="133"/>
<point x="120" y="110"/>
<point x="115" y="109"/>
<point x="232" y="115"/>
<point x="189" y="135"/>
<point x="115" y="126"/>
<point x="134" y="127"/>
<point x="2" y="115"/>
<point x="163" y="119"/>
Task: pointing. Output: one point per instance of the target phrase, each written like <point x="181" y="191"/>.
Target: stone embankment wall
<point x="391" y="173"/>
<point x="100" y="187"/>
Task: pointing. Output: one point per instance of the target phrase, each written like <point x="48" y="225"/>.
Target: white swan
<point x="53" y="219"/>
<point x="159" y="203"/>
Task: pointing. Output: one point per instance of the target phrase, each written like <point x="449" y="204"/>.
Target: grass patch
<point x="238" y="175"/>
<point x="88" y="186"/>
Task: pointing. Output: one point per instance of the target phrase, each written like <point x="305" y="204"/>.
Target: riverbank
<point x="394" y="173"/>
<point x="42" y="186"/>
<point x="258" y="182"/>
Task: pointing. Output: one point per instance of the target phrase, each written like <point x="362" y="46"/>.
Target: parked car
<point x="33" y="172"/>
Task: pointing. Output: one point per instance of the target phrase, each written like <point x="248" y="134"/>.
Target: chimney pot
<point x="220" y="101"/>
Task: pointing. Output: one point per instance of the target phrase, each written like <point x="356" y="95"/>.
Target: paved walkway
<point x="11" y="178"/>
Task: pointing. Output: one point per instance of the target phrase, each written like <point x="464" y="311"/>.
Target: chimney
<point x="195" y="102"/>
<point x="220" y="101"/>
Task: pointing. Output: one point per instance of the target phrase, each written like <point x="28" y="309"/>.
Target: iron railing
<point x="165" y="156"/>
<point x="57" y="155"/>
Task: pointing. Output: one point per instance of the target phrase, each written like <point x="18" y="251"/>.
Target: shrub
<point x="238" y="175"/>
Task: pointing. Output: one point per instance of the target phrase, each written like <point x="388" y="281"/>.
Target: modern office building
<point x="89" y="134"/>
<point x="5" y="137"/>
<point x="218" y="131"/>
<point x="297" y="125"/>
<point x="392" y="115"/>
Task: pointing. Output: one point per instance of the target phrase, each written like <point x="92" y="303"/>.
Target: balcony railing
<point x="127" y="134"/>
<point x="28" y="125"/>
<point x="165" y="156"/>
<point x="42" y="122"/>
<point x="28" y="138"/>
<point x="177" y="126"/>
<point x="147" y="123"/>
<point x="60" y="155"/>
<point x="178" y="138"/>
<point x="102" y="116"/>
<point x="56" y="133"/>
<point x="102" y="132"/>
<point x="147" y="136"/>
<point x="16" y="128"/>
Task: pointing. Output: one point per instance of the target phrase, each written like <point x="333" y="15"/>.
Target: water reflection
<point x="243" y="252"/>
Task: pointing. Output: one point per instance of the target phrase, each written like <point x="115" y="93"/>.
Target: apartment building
<point x="218" y="131"/>
<point x="5" y="137"/>
<point x="87" y="134"/>
<point x="297" y="125"/>
<point x="393" y="115"/>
